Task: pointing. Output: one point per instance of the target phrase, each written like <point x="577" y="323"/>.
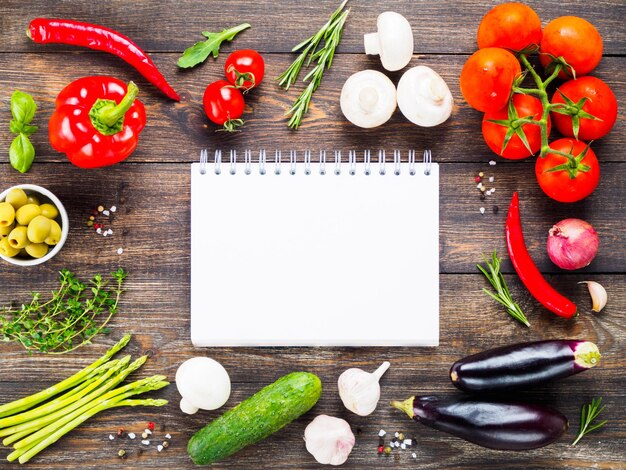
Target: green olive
<point x="4" y="231"/>
<point x="7" y="214"/>
<point x="6" y="249"/>
<point x="18" y="237"/>
<point x="37" y="250"/>
<point x="39" y="229"/>
<point x="17" y="198"/>
<point x="49" y="211"/>
<point x="55" y="233"/>
<point x="32" y="199"/>
<point x="26" y="213"/>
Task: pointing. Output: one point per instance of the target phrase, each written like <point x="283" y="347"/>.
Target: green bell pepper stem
<point x="32" y="400"/>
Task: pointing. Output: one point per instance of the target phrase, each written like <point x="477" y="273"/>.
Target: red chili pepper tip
<point x="151" y="426"/>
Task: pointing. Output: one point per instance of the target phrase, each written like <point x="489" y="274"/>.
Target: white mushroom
<point x="203" y="384"/>
<point x="368" y="98"/>
<point x="423" y="97"/>
<point x="393" y="41"/>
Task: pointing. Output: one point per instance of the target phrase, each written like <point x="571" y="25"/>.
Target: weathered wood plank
<point x="457" y="140"/>
<point x="154" y="218"/>
<point x="439" y="26"/>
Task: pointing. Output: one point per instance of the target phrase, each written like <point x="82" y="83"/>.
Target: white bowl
<point x="46" y="196"/>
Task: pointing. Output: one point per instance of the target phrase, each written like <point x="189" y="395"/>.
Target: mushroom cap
<point x="424" y="97"/>
<point x="368" y="98"/>
<point x="393" y="41"/>
<point x="203" y="383"/>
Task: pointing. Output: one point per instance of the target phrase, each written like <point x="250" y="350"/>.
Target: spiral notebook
<point x="304" y="250"/>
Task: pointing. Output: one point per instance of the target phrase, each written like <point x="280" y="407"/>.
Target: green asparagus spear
<point x="32" y="400"/>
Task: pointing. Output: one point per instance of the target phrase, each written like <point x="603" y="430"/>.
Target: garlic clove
<point x="359" y="390"/>
<point x="598" y="295"/>
<point x="329" y="440"/>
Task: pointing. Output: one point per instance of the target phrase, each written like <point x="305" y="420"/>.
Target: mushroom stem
<point x="372" y="44"/>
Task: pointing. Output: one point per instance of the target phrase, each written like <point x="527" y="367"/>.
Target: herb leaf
<point x="330" y="33"/>
<point x="588" y="414"/>
<point x="21" y="153"/>
<point x="23" y="107"/>
<point x="199" y="52"/>
<point x="502" y="294"/>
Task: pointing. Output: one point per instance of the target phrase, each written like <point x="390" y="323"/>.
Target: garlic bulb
<point x="359" y="390"/>
<point x="329" y="440"/>
<point x="598" y="295"/>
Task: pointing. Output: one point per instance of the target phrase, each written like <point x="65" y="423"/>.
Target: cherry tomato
<point x="511" y="25"/>
<point x="574" y="39"/>
<point x="601" y="103"/>
<point x="487" y="77"/>
<point x="245" y="68"/>
<point x="223" y="104"/>
<point x="568" y="183"/>
<point x="494" y="133"/>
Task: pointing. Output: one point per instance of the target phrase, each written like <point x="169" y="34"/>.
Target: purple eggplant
<point x="523" y="365"/>
<point x="492" y="424"/>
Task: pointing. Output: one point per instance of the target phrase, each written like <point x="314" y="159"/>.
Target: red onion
<point x="572" y="244"/>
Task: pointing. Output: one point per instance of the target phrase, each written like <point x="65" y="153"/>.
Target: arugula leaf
<point x="199" y="52"/>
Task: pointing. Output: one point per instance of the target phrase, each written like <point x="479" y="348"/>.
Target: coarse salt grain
<point x="482" y="210"/>
<point x="159" y="447"/>
<point x="479" y="185"/>
<point x="408" y="442"/>
<point x="488" y="192"/>
<point x="491" y="179"/>
<point x="381" y="433"/>
<point x="120" y="251"/>
<point x="493" y="190"/>
<point x="106" y="213"/>
<point x="414" y="455"/>
<point x="492" y="162"/>
<point x="98" y="230"/>
<point x="396" y="434"/>
<point x="147" y="431"/>
<point x="145" y="442"/>
<point x="403" y="446"/>
<point x="167" y="436"/>
<point x="131" y="435"/>
<point x="110" y="231"/>
<point x="113" y="208"/>
<point x="111" y="437"/>
<point x="105" y="234"/>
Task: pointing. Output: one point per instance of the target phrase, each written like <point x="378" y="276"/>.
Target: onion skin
<point x="572" y="244"/>
<point x="491" y="424"/>
<point x="523" y="365"/>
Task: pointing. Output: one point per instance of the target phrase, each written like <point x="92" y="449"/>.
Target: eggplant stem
<point x="587" y="355"/>
<point x="406" y="406"/>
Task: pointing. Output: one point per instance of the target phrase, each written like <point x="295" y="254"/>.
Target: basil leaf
<point x="23" y="107"/>
<point x="21" y="153"/>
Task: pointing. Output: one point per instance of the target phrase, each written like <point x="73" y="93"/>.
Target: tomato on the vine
<point x="223" y="104"/>
<point x="565" y="179"/>
<point x="508" y="129"/>
<point x="574" y="39"/>
<point x="487" y="78"/>
<point x="513" y="26"/>
<point x="599" y="102"/>
<point x="245" y="68"/>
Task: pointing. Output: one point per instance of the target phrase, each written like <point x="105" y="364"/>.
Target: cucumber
<point x="255" y="418"/>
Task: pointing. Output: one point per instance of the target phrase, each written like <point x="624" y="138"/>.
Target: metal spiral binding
<point x="293" y="160"/>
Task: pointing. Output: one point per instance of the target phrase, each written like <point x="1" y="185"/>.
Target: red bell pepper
<point x="97" y="121"/>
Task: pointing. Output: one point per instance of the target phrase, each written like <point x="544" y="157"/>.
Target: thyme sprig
<point x="75" y="313"/>
<point x="588" y="414"/>
<point x="330" y="35"/>
<point x="502" y="294"/>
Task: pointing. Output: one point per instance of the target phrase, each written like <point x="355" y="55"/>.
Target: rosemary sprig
<point x="502" y="294"/>
<point x="588" y="413"/>
<point x="75" y="314"/>
<point x="322" y="56"/>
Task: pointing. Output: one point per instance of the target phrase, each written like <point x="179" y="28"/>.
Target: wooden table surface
<point x="151" y="190"/>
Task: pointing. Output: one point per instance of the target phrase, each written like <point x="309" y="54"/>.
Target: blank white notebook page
<point x="314" y="260"/>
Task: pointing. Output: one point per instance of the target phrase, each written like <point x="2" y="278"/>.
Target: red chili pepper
<point x="97" y="121"/>
<point x="526" y="269"/>
<point x="100" y="38"/>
